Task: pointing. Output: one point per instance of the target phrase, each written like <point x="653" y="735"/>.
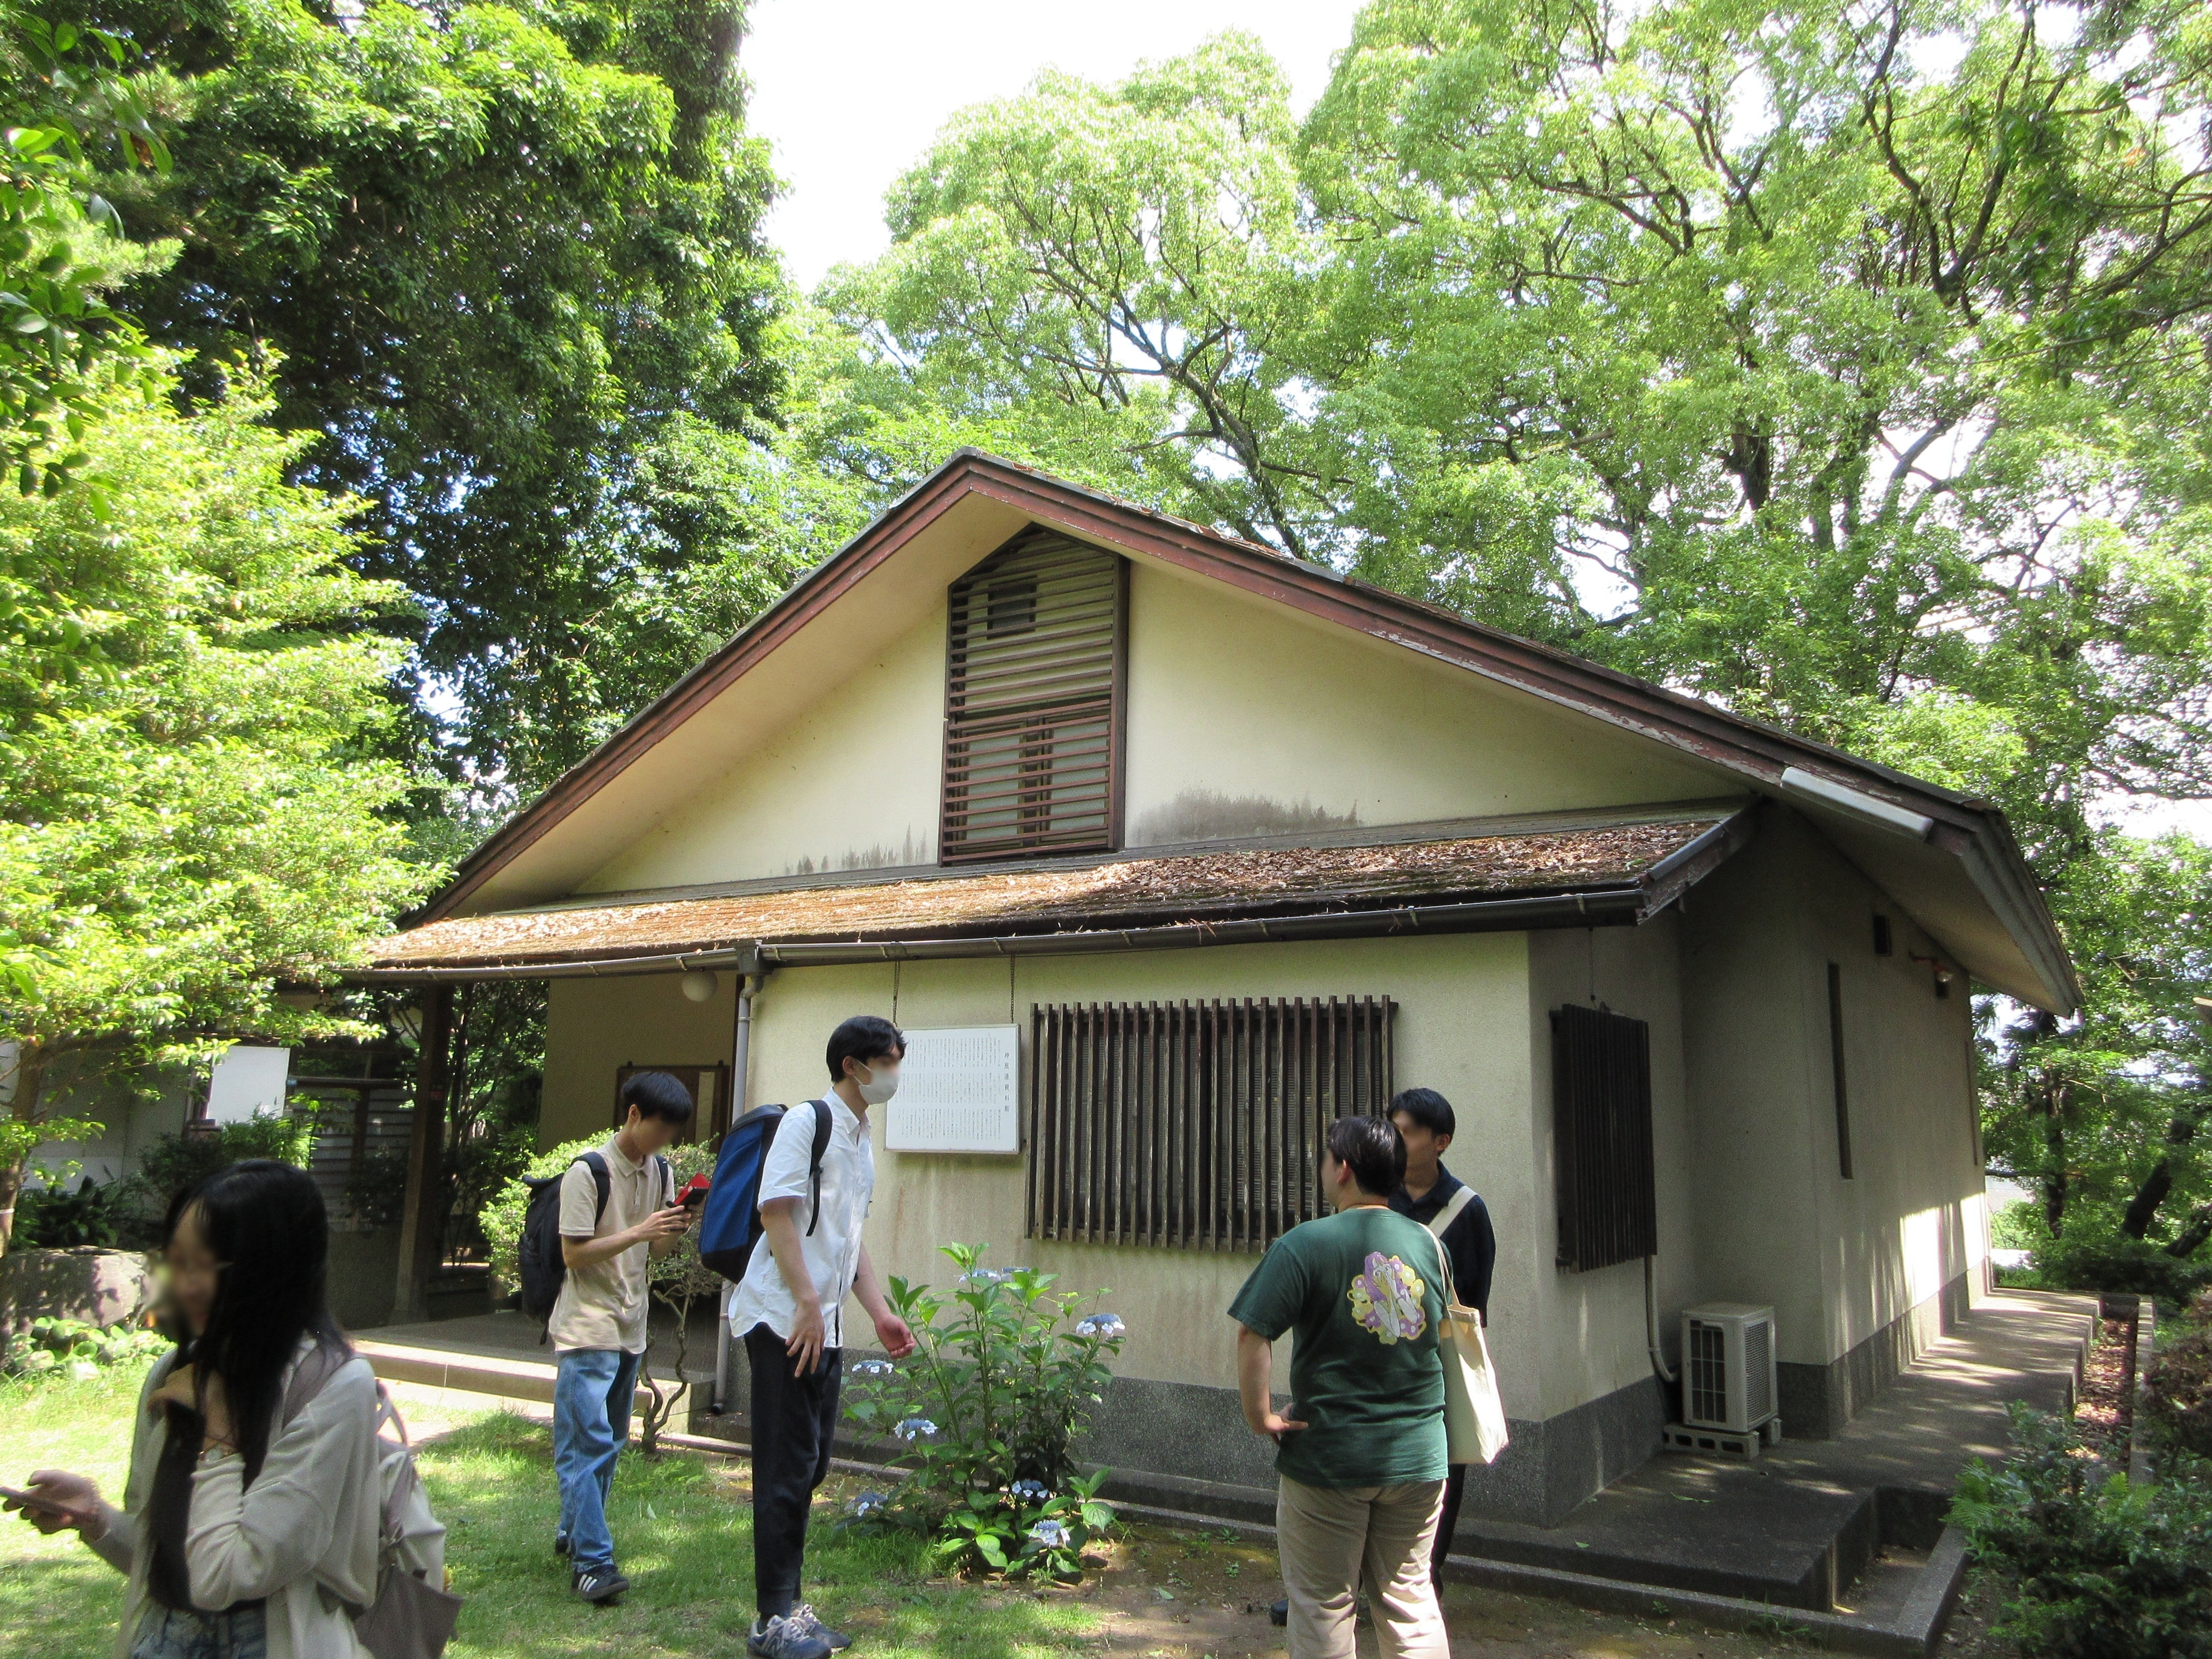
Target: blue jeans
<point x="166" y="1633"/>
<point x="591" y="1421"/>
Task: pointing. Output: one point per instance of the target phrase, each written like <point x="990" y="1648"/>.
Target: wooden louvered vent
<point x="1604" y="1172"/>
<point x="1196" y="1125"/>
<point x="1033" y="702"/>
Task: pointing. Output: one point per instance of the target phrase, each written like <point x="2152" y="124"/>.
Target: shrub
<point x="74" y="1347"/>
<point x="1028" y="1531"/>
<point x="501" y="1220"/>
<point x="2084" y="1261"/>
<point x="175" y="1164"/>
<point x="2177" y="1398"/>
<point x="2019" y="1226"/>
<point x="987" y="1408"/>
<point x="2100" y="1568"/>
<point x="50" y="1220"/>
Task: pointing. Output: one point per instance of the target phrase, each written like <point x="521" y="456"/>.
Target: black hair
<point x="1373" y="1150"/>
<point x="863" y="1037"/>
<point x="657" y="1094"/>
<point x="1426" y="1108"/>
<point x="264" y="1222"/>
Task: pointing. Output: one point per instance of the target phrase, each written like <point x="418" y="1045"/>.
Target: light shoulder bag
<point x="1474" y="1413"/>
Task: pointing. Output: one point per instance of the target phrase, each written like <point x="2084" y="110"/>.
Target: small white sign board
<point x="958" y="1091"/>
<point x="246" y="1081"/>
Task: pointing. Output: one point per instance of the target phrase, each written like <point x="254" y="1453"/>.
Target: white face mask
<point x="878" y="1089"/>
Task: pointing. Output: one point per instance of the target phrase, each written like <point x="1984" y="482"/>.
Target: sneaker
<point x="561" y="1545"/>
<point x="599" y="1585"/>
<point x="1279" y="1614"/>
<point x="784" y="1637"/>
<point x="805" y="1615"/>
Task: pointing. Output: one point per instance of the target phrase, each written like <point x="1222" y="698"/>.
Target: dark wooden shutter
<point x="1033" y="702"/>
<point x="1197" y="1125"/>
<point x="1608" y="1194"/>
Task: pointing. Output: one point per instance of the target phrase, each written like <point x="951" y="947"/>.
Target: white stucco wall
<point x="1244" y="718"/>
<point x="1307" y="724"/>
<point x="1776" y="1221"/>
<point x="851" y="784"/>
<point x="1592" y="1325"/>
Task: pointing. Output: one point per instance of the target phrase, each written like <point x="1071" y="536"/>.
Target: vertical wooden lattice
<point x="1608" y="1201"/>
<point x="1032" y="701"/>
<point x="1195" y="1125"/>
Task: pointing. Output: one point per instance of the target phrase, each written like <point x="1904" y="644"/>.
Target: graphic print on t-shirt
<point x="1386" y="1298"/>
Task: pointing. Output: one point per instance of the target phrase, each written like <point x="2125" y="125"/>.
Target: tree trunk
<point x="2143" y="1209"/>
<point x="11" y="1188"/>
<point x="2190" y="1239"/>
<point x="23" y="1108"/>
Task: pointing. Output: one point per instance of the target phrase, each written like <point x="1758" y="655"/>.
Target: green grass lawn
<point x="681" y="1526"/>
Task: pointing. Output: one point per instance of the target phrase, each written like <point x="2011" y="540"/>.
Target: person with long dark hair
<point x="248" y="1529"/>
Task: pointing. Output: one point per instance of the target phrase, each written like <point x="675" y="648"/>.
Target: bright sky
<point x="850" y="93"/>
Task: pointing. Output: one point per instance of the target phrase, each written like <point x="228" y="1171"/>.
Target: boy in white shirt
<point x="789" y="1310"/>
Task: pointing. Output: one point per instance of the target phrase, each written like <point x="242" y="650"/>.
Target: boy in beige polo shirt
<point x="598" y="1324"/>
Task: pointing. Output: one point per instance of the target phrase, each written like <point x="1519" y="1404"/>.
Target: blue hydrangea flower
<point x="1050" y="1534"/>
<point x="914" y="1428"/>
<point x="873" y="1368"/>
<point x="1102" y="1326"/>
<point x="867" y="1503"/>
<point x="986" y="1276"/>
<point x="1029" y="1491"/>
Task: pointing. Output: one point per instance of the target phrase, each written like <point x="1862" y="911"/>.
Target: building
<point x="1233" y="846"/>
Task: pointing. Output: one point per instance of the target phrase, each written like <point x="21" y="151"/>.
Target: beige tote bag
<point x="1474" y="1414"/>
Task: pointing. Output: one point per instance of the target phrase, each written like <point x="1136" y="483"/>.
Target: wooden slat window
<point x="1607" y="1191"/>
<point x="1195" y="1124"/>
<point x="1033" y="702"/>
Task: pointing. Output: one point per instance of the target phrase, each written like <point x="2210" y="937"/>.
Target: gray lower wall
<point x="1185" y="1447"/>
<point x="1817" y="1401"/>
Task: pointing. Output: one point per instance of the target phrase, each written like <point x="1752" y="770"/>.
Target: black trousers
<point x="1454" y="1489"/>
<point x="794" y="1419"/>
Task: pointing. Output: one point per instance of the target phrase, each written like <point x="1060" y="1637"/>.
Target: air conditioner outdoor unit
<point x="1728" y="1366"/>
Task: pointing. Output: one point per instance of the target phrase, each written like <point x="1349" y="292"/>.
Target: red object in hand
<point x="694" y="1191"/>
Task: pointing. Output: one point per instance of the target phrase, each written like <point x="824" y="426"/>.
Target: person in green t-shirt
<point x="1360" y="1457"/>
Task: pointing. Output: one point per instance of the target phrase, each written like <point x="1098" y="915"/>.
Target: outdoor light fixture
<point x="1943" y="975"/>
<point x="406" y="1019"/>
<point x="699" y="986"/>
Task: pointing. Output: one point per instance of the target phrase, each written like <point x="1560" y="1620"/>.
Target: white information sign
<point x="958" y="1091"/>
<point x="247" y="1080"/>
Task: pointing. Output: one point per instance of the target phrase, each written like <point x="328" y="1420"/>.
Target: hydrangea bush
<point x="985" y="1412"/>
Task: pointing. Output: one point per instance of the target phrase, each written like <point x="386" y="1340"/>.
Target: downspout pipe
<point x="1652" y="1320"/>
<point x="748" y="986"/>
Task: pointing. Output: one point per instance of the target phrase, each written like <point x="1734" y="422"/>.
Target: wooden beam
<point x="418" y="1253"/>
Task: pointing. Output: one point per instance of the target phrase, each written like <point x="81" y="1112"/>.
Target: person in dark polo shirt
<point x="1432" y="1195"/>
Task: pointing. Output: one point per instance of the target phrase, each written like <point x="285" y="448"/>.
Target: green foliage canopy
<point x="195" y="811"/>
<point x="505" y="260"/>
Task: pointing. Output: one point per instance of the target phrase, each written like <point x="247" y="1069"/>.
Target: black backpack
<point x="539" y="1263"/>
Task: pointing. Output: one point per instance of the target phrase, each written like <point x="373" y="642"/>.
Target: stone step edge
<point x="529" y="1380"/>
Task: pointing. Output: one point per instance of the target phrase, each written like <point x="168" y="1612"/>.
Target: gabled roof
<point x="1949" y="858"/>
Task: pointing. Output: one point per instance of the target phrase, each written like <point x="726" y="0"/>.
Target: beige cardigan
<point x="303" y="1535"/>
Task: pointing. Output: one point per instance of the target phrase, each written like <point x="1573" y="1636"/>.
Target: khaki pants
<point x="1330" y="1538"/>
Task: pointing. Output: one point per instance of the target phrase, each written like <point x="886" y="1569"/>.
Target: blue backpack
<point x="730" y="1225"/>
